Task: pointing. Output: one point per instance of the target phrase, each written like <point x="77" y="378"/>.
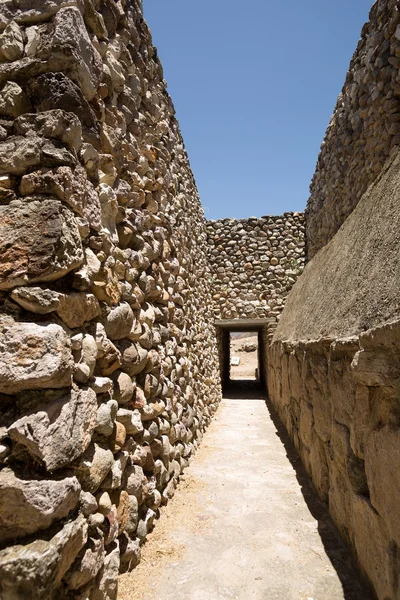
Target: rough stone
<point x="59" y="430"/>
<point x="27" y="506"/>
<point x="11" y="43"/>
<point x="93" y="466"/>
<point x="119" y="321"/>
<point x="70" y="186"/>
<point x="39" y="241"/>
<point x="34" y="570"/>
<point x="33" y="357"/>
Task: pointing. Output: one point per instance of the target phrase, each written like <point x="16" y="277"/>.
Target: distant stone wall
<point x="108" y="360"/>
<point x="364" y="128"/>
<point x="254" y="264"/>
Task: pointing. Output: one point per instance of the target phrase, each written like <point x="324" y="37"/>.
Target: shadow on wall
<point x="331" y="539"/>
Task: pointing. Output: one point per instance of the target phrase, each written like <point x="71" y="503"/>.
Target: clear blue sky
<point x="254" y="84"/>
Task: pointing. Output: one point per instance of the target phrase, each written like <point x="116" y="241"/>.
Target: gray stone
<point x="93" y="467"/>
<point x="86" y="359"/>
<point x="77" y="308"/>
<point x="84" y="61"/>
<point x="107" y="583"/>
<point x="39" y="241"/>
<point x="34" y="356"/>
<point x="86" y="567"/>
<point x="101" y="385"/>
<point x="88" y="503"/>
<point x="106" y="414"/>
<point x="60" y="430"/>
<point x="19" y="154"/>
<point x="118" y="322"/>
<point x="35" y="570"/>
<point x="11" y="43"/>
<point x="131" y="420"/>
<point x="13" y="101"/>
<point x="37" y="300"/>
<point x="27" y="506"/>
<point x="52" y="124"/>
<point x="70" y="186"/>
<point x="123" y="388"/>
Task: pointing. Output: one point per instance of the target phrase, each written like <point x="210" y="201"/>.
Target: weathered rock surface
<point x="71" y="186"/>
<point x="59" y="430"/>
<point x="109" y="372"/>
<point x="39" y="241"/>
<point x="34" y="356"/>
<point x="34" y="570"/>
<point x="27" y="506"/>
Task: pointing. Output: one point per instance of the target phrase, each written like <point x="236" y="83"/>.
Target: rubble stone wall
<point x="108" y="361"/>
<point x="254" y="264"/>
<point x="363" y="130"/>
<point x="333" y="376"/>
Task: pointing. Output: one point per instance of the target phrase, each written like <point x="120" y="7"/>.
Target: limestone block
<point x="34" y="570"/>
<point x="319" y="468"/>
<point x="35" y="299"/>
<point x="34" y="356"/>
<point x="93" y="466"/>
<point x="82" y="58"/>
<point x="11" y="43"/>
<point x="56" y="91"/>
<point x="52" y="124"/>
<point x="118" y="321"/>
<point x="39" y="241"/>
<point x="373" y="546"/>
<point x="106" y="414"/>
<point x="85" y="359"/>
<point x="87" y="564"/>
<point x="382" y="465"/>
<point x="33" y="11"/>
<point x="70" y="186"/>
<point x="19" y="154"/>
<point x="134" y="482"/>
<point x="123" y="388"/>
<point x="130" y="552"/>
<point x="59" y="430"/>
<point x="77" y="308"/>
<point x="134" y="358"/>
<point x="152" y="410"/>
<point x="27" y="506"/>
<point x="13" y="100"/>
<point x="131" y="420"/>
<point x="107" y="582"/>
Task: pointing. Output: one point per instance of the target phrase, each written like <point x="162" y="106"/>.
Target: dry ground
<point x="244" y="524"/>
<point x="248" y="360"/>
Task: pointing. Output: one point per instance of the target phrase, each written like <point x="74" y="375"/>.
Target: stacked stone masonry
<point x="364" y="129"/>
<point x="108" y="360"/>
<point x="254" y="264"/>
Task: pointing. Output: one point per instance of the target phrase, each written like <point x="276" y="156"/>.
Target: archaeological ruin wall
<point x="108" y="360"/>
<point x="254" y="264"/>
<point x="332" y="365"/>
<point x="363" y="130"/>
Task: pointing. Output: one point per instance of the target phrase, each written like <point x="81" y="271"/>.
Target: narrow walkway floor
<point x="245" y="523"/>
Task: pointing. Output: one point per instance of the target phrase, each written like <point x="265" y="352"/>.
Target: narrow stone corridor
<point x="245" y="523"/>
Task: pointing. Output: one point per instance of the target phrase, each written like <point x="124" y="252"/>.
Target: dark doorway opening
<point x="229" y="341"/>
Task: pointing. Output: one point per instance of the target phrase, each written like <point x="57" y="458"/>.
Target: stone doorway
<point x="225" y="329"/>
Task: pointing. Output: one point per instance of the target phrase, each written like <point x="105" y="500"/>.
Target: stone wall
<point x="363" y="130"/>
<point x="108" y="361"/>
<point x="333" y="376"/>
<point x="254" y="264"/>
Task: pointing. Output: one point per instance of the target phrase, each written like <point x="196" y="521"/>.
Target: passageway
<point x="244" y="524"/>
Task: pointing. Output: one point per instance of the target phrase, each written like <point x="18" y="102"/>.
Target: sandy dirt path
<point x="244" y="524"/>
